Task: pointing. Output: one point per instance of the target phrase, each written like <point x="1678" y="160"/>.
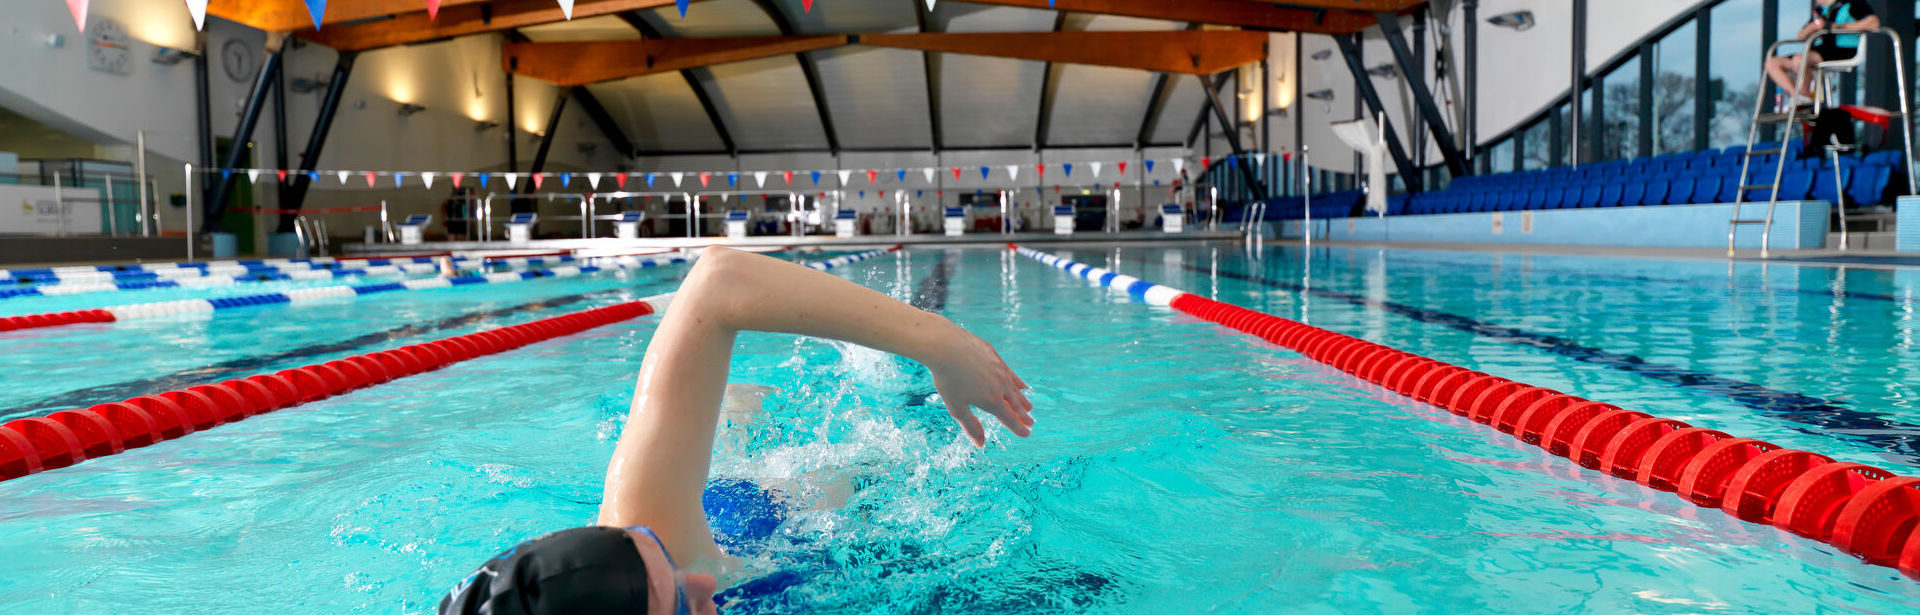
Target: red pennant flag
<point x="873" y="177"/>
<point x="538" y="178"/>
<point x="456" y="179"/>
<point x="433" y="10"/>
<point x="788" y="175"/>
<point x="620" y="179"/>
<point x="956" y="173"/>
<point x="369" y="179"/>
<point x="1123" y="167"/>
<point x="807" y="4"/>
<point x="283" y="175"/>
<point x="79" y="9"/>
<point x="1056" y="189"/>
<point x="1042" y="170"/>
<point x="703" y="180"/>
<point x="1206" y="163"/>
<point x="940" y="193"/>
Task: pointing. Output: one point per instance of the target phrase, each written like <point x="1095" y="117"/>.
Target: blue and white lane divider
<point x="190" y="277"/>
<point x="850" y="258"/>
<point x="106" y="273"/>
<point x="307" y="295"/>
<point x="1142" y="290"/>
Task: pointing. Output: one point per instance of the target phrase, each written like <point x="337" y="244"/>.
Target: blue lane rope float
<point x="232" y="273"/>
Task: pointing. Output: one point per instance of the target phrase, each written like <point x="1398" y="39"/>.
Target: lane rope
<point x="1863" y="510"/>
<point x="158" y="309"/>
<point x="235" y="275"/>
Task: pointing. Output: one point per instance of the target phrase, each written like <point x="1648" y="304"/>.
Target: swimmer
<point x="447" y="269"/>
<point x="651" y="515"/>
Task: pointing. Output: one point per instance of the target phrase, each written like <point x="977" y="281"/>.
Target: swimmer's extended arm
<point x="659" y="467"/>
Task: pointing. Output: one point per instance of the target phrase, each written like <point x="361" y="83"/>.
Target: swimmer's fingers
<point x="1007" y="414"/>
<point x="975" y="433"/>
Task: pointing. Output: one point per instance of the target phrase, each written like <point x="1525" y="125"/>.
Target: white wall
<point x="458" y="81"/>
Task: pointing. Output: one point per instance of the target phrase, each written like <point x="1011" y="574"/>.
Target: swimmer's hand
<point x="970" y="374"/>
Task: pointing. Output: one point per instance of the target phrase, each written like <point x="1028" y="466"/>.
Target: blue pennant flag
<point x="1150" y="168"/>
<point x="816" y="178"/>
<point x="565" y="178"/>
<point x="919" y="193"/>
<point x="650" y="178"/>
<point x="317" y="8"/>
<point x="1156" y="182"/>
<point x="984" y="171"/>
<point x="1068" y="167"/>
<point x="732" y="178"/>
<point x="683" y="7"/>
<point x="1233" y="160"/>
<point x="483" y="180"/>
<point x="226" y="174"/>
<point x="863" y="194"/>
<point x="901" y="174"/>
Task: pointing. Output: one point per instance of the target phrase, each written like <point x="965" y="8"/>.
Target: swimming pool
<point x="1176" y="466"/>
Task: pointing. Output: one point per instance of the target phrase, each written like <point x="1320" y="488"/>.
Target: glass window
<point x="1500" y="157"/>
<point x="1536" y="153"/>
<point x="1560" y="137"/>
<point x="1673" y="81"/>
<point x="1733" y="60"/>
<point x="1620" y="105"/>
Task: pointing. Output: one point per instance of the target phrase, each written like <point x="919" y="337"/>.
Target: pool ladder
<point x="1794" y="117"/>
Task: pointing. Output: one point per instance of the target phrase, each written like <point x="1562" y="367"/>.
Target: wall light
<point x="169" y="56"/>
<point x="1322" y="54"/>
<point x="1520" y="21"/>
<point x="1325" y="96"/>
<point x="483" y="125"/>
<point x="1383" y="71"/>
<point x="407" y="109"/>
<point x="303" y="85"/>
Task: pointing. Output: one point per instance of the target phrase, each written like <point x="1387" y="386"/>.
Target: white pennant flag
<point x="1178" y="164"/>
<point x="343" y="176"/>
<point x="512" y="178"/>
<point x="1096" y="169"/>
<point x="760" y="177"/>
<point x="593" y="180"/>
<point x="253" y="175"/>
<point x="929" y="5"/>
<point x="1013" y="172"/>
<point x="723" y="197"/>
<point x="844" y="176"/>
<point x="1261" y="158"/>
<point x="676" y="178"/>
<point x="428" y="178"/>
<point x="199" y="10"/>
<point x="929" y="173"/>
<point x="566" y="8"/>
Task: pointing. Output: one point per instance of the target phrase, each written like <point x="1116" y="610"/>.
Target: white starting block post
<point x="1173" y="219"/>
<point x="411" y="229"/>
<point x="843" y="223"/>
<point x="956" y="221"/>
<point x="520" y="227"/>
<point x="1063" y="220"/>
<point x="737" y="224"/>
<point x="627" y="226"/>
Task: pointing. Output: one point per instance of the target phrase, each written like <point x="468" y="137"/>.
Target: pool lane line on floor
<point x="184" y="378"/>
<point x="209" y="278"/>
<point x="206" y="306"/>
<point x="36" y="444"/>
<point x="1809" y="292"/>
<point x="1900" y="440"/>
<point x="1865" y="511"/>
<point x="61" y="439"/>
<point x="931" y="294"/>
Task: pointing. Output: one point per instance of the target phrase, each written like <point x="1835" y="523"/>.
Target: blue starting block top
<point x="737" y="215"/>
<point x="418" y="220"/>
<point x="522" y="219"/>
<point x="1171" y="209"/>
<point x="846" y="214"/>
<point x="631" y="217"/>
<point x="1063" y="210"/>
<point x="956" y="212"/>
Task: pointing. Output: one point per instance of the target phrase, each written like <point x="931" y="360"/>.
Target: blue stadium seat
<point x="1796" y="185"/>
<point x="1589" y="197"/>
<point x="1680" y="191"/>
<point x="1655" y="193"/>
<point x="1869" y="185"/>
<point x="1631" y="193"/>
<point x="1729" y="189"/>
<point x="1884" y="158"/>
<point x="1610" y="195"/>
<point x="1823" y="187"/>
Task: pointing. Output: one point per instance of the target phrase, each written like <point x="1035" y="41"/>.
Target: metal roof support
<point x="1415" y="77"/>
<point x="1233" y="141"/>
<point x="1046" y="93"/>
<point x="808" y="68"/>
<point x="699" y="91"/>
<point x="1350" y="50"/>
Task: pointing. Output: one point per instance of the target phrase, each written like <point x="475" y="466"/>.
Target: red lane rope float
<point x="1863" y="510"/>
<point x="67" y="437"/>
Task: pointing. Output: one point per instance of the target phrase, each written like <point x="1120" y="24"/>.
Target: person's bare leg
<point x="1780" y="70"/>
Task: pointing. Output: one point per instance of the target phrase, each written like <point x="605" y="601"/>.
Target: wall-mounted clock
<point x="237" y="59"/>
<point x="109" y="49"/>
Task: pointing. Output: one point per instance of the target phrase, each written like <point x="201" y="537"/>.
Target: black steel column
<point x="1299" y="116"/>
<point x="1470" y="98"/>
<point x="546" y="140"/>
<point x="1350" y="50"/>
<point x="216" y="207"/>
<point x="1645" y="138"/>
<point x="295" y="194"/>
<point x="204" y="107"/>
<point x="1415" y="78"/>
<point x="1579" y="71"/>
<point x="1598" y="149"/>
<point x="1556" y="137"/>
<point x="1702" y="75"/>
<point x="1233" y="141"/>
<point x="513" y="130"/>
<point x="280" y="133"/>
<point x="1420" y="74"/>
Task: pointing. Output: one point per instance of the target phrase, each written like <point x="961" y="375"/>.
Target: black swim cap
<point x="585" y="570"/>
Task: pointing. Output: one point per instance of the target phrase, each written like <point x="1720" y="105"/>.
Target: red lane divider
<point x="55" y="319"/>
<point x="1863" y="510"/>
<point x="67" y="437"/>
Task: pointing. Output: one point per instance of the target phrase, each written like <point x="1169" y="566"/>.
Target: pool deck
<point x="1867" y="259"/>
<point x="812" y="241"/>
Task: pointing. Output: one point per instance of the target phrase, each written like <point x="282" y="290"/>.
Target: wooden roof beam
<point x="584" y="62"/>
<point x="462" y="20"/>
<point x="1242" y="13"/>
<point x="1185" y="52"/>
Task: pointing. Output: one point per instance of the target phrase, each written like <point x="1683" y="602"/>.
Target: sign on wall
<point x="32" y="210"/>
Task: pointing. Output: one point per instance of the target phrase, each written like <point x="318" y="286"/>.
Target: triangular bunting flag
<point x="703" y="179"/>
<point x="676" y="178"/>
<point x="956" y="174"/>
<point x="929" y="173"/>
<point x="845" y="175"/>
<point x="1041" y="169"/>
<point x="1149" y="164"/>
<point x="1260" y="158"/>
<point x="282" y="173"/>
<point x="873" y="177"/>
<point x="807" y="5"/>
<point x="816" y="178"/>
<point x="369" y="179"/>
<point x="1233" y="161"/>
<point x="198" y="8"/>
<point x="512" y="178"/>
<point x="79" y="9"/>
<point x="1068" y="167"/>
<point x="1179" y="165"/>
<point x="1123" y="167"/>
<point x="343" y="177"/>
<point x="863" y="194"/>
<point x="683" y="7"/>
<point x="1206" y="163"/>
<point x="620" y="179"/>
<point x="428" y="179"/>
<point x="316" y="8"/>
<point x="398" y="178"/>
<point x="483" y="180"/>
<point x="1096" y="169"/>
<point x="593" y="181"/>
<point x="433" y="10"/>
<point x="760" y="179"/>
<point x="539" y="178"/>
<point x="1013" y="172"/>
<point x="723" y="197"/>
<point x="733" y="180"/>
<point x="900" y="175"/>
<point x="566" y="179"/>
<point x="456" y="179"/>
<point x="313" y="176"/>
<point x="253" y="176"/>
<point x="650" y="178"/>
<point x="788" y="175"/>
<point x="566" y="8"/>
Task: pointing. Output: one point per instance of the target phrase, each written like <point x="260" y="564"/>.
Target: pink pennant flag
<point x="539" y="178"/>
<point x="198" y="9"/>
<point x="1040" y="169"/>
<point x="283" y="175"/>
<point x="456" y="179"/>
<point x="433" y="10"/>
<point x="788" y="175"/>
<point x="79" y="9"/>
<point x="369" y="179"/>
<point x="703" y="179"/>
<point x="956" y="174"/>
<point x="873" y="177"/>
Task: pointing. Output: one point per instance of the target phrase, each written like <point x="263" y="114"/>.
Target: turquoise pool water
<point x="1177" y="467"/>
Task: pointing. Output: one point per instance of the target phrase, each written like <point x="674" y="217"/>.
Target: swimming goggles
<point x="679" y="578"/>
